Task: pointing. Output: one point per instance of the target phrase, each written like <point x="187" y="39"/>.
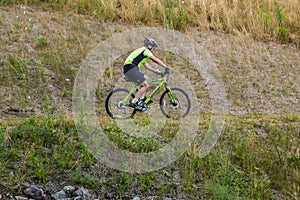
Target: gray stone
<point x="85" y="192"/>
<point x="69" y="189"/>
<point x="136" y="198"/>
<point x="20" y="198"/>
<point x="82" y="192"/>
<point x="59" y="195"/>
<point x="78" y="193"/>
<point x="34" y="192"/>
<point x="11" y="173"/>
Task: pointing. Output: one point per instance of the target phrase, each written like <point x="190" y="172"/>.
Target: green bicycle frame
<point x="163" y="81"/>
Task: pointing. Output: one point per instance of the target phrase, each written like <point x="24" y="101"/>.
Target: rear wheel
<point x="115" y="107"/>
<point x="178" y="109"/>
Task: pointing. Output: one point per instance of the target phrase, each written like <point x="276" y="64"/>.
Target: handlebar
<point x="167" y="71"/>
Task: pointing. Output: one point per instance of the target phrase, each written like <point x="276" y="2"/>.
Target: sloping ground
<point x="259" y="77"/>
<point x="41" y="52"/>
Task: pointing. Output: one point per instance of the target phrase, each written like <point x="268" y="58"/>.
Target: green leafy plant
<point x="82" y="178"/>
<point x="42" y="43"/>
<point x="283" y="31"/>
<point x="265" y="16"/>
<point x="175" y="13"/>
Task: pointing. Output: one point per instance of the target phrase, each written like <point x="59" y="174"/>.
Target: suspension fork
<point x="171" y="95"/>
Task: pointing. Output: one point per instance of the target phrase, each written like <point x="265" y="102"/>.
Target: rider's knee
<point x="145" y="84"/>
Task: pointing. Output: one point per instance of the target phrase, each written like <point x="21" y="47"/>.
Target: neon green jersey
<point x="138" y="57"/>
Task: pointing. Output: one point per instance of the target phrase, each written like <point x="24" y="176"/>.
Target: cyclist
<point x="132" y="65"/>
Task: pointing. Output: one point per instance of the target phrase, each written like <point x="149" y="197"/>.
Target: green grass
<point x="256" y="156"/>
<point x="253" y="158"/>
<point x="82" y="178"/>
<point x="40" y="148"/>
<point x="1" y="134"/>
<point x="24" y="77"/>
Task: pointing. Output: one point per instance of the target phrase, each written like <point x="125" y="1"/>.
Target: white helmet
<point x="150" y="41"/>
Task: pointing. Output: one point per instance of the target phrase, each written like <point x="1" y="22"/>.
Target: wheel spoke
<point x="115" y="107"/>
<point x="175" y="111"/>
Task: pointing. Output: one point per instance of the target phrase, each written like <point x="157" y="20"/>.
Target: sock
<point x="134" y="100"/>
<point x="142" y="96"/>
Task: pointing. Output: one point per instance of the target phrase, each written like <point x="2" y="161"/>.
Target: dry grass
<point x="42" y="50"/>
<point x="259" y="77"/>
<point x="263" y="19"/>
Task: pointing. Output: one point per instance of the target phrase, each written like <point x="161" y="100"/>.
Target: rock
<point x="78" y="193"/>
<point x="63" y="183"/>
<point x="85" y="192"/>
<point x="136" y="198"/>
<point x="26" y="184"/>
<point x="69" y="189"/>
<point x="34" y="192"/>
<point x="82" y="192"/>
<point x="59" y="195"/>
<point x="20" y="198"/>
<point x="11" y="173"/>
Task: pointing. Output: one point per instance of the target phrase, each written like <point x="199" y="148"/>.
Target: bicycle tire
<point x="111" y="103"/>
<point x="184" y="102"/>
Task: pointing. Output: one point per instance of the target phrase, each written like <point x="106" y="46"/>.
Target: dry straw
<point x="263" y="19"/>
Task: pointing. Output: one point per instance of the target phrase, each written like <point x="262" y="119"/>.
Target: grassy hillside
<point x="263" y="19"/>
<point x="257" y="156"/>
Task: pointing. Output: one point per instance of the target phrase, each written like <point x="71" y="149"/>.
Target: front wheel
<point x="175" y="109"/>
<point x="115" y="106"/>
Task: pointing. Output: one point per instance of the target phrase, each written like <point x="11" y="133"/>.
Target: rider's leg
<point x="144" y="94"/>
<point x="143" y="88"/>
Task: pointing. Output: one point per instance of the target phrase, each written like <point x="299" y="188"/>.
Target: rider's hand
<point x="167" y="70"/>
<point x="157" y="71"/>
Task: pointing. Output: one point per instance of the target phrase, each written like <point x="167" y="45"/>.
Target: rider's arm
<point x="158" y="61"/>
<point x="149" y="67"/>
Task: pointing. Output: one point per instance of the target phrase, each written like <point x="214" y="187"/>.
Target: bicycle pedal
<point x="132" y="105"/>
<point x="137" y="107"/>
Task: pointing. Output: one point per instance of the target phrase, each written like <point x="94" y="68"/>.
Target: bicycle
<point x="174" y="102"/>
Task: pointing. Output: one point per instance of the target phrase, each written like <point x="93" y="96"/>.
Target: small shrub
<point x="176" y="15"/>
<point x="146" y="181"/>
<point x="217" y="190"/>
<point x="82" y="178"/>
<point x="265" y="16"/>
<point x="18" y="66"/>
<point x="42" y="43"/>
<point x="283" y="32"/>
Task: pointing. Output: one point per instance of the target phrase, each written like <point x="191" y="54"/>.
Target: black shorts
<point x="133" y="73"/>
